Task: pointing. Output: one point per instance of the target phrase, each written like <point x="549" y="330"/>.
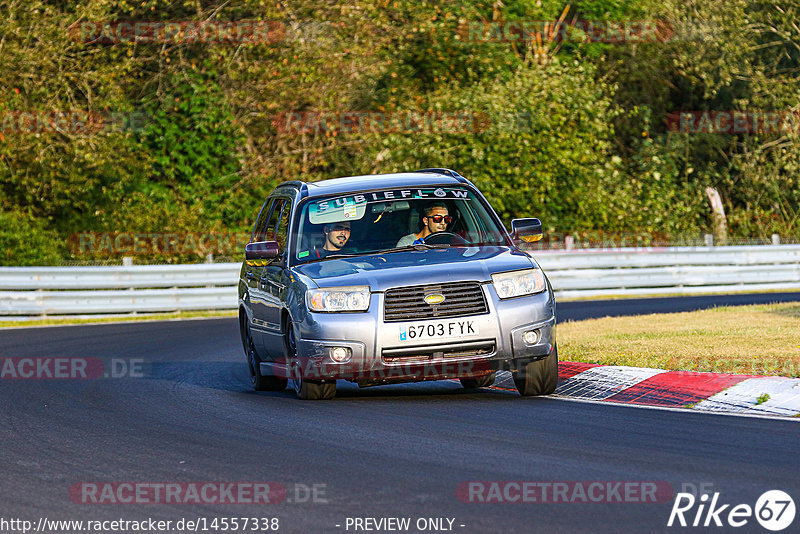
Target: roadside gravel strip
<point x="713" y="392"/>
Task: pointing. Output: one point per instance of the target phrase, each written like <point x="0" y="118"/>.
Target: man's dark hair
<point x="330" y="226"/>
<point x="433" y="205"/>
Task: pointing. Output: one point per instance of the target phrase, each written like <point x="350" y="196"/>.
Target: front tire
<point x="479" y="382"/>
<point x="257" y="381"/>
<point x="539" y="377"/>
<point x="314" y="389"/>
<point x="305" y="389"/>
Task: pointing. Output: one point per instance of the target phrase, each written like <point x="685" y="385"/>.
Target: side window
<point x="283" y="226"/>
<point x="260" y="229"/>
<point x="274" y="217"/>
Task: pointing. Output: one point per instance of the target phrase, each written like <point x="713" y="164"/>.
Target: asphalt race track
<point x="396" y="451"/>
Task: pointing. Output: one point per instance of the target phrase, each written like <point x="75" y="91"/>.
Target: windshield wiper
<point x="340" y="255"/>
<point x="418" y="246"/>
<point x="486" y="244"/>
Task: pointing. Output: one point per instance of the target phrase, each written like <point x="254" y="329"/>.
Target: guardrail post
<point x="127" y="261"/>
<point x="39" y="294"/>
<point x="569" y="242"/>
<point x="709" y="240"/>
<point x="776" y="239"/>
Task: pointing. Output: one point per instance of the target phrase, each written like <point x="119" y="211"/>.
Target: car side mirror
<point x="528" y="230"/>
<point x="261" y="250"/>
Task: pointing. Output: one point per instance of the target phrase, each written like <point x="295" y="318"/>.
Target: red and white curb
<point x="713" y="392"/>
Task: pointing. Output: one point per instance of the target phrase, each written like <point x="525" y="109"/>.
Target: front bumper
<point x="376" y="354"/>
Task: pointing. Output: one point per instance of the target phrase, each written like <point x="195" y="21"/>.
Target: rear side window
<point x="283" y="226"/>
<point x="273" y="223"/>
<point x="267" y="225"/>
<point x="260" y="229"/>
<point x="274" y="217"/>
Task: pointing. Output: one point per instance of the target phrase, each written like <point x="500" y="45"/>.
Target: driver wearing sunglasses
<point x="435" y="219"/>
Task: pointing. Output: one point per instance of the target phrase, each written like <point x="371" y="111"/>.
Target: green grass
<point x="757" y="340"/>
<point x="54" y="321"/>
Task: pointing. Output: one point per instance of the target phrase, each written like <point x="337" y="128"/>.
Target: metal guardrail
<point x="673" y="270"/>
<point x="119" y="277"/>
<point x="118" y="289"/>
<point x="574" y="274"/>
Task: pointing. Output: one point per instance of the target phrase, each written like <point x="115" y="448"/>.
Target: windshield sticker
<point x="350" y="211"/>
<point x="353" y="207"/>
<point x="356" y="200"/>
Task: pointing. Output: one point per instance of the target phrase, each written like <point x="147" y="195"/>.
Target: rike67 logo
<point x="774" y="510"/>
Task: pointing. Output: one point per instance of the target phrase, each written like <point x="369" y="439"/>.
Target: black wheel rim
<point x="291" y="341"/>
<point x="298" y="382"/>
<point x="252" y="366"/>
<point x="251" y="355"/>
<point x="291" y="345"/>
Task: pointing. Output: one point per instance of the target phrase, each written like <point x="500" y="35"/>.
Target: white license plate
<point x="456" y="329"/>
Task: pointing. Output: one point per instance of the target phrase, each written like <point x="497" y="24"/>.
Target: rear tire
<point x="538" y="377"/>
<point x="257" y="381"/>
<point x="305" y="389"/>
<point x="479" y="382"/>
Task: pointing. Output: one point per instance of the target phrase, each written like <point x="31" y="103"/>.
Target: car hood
<point x="415" y="267"/>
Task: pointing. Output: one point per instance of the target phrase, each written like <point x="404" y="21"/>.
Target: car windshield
<point x="381" y="221"/>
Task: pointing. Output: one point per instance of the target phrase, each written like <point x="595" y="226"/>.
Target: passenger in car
<point x="435" y="219"/>
<point x="336" y="237"/>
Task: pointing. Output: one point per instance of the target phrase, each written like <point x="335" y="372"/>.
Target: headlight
<point x="518" y="283"/>
<point x="334" y="299"/>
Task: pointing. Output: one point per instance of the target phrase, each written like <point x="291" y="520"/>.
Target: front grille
<point x="460" y="299"/>
<point x="453" y="350"/>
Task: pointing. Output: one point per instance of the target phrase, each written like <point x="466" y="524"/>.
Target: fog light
<point x="340" y="354"/>
<point x="531" y="337"/>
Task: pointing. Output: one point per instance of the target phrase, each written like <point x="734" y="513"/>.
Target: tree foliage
<point x="573" y="132"/>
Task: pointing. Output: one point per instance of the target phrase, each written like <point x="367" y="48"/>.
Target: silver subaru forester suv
<point x="393" y="278"/>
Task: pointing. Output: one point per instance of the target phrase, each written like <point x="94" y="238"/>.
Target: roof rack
<point x="294" y="183"/>
<point x="451" y="172"/>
